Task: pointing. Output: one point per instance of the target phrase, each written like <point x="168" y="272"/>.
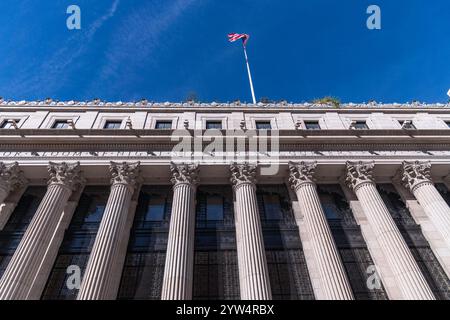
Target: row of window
<point x="167" y="124"/>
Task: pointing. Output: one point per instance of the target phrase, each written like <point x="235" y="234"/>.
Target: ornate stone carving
<point x="358" y="173"/>
<point x="125" y="173"/>
<point x="416" y="173"/>
<point x="11" y="177"/>
<point x="243" y="173"/>
<point x="66" y="174"/>
<point x="301" y="173"/>
<point x="184" y="173"/>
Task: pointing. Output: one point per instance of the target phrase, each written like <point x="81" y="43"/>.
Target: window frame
<point x="306" y="123"/>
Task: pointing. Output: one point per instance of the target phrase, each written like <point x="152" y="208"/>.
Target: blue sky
<point x="163" y="50"/>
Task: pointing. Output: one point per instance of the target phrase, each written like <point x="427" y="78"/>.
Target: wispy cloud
<point x="51" y="74"/>
<point x="137" y="38"/>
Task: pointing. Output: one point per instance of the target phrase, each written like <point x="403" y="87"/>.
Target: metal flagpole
<point x="249" y="73"/>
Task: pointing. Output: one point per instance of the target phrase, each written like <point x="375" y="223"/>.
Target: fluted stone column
<point x="407" y="273"/>
<point x="100" y="280"/>
<point x="417" y="178"/>
<point x="179" y="268"/>
<point x="21" y="271"/>
<point x="332" y="273"/>
<point x="253" y="271"/>
<point x="11" y="177"/>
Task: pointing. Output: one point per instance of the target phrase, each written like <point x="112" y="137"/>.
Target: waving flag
<point x="232" y="37"/>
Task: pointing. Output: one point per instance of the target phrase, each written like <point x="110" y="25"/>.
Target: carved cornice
<point x="359" y="173"/>
<point x="65" y="174"/>
<point x="125" y="173"/>
<point x="184" y="173"/>
<point x="11" y="177"/>
<point x="243" y="173"/>
<point x="301" y="173"/>
<point x="415" y="174"/>
<point x="216" y="105"/>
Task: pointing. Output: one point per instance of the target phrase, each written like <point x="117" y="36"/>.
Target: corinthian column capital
<point x="359" y="173"/>
<point x="65" y="174"/>
<point x="415" y="174"/>
<point x="301" y="173"/>
<point x="244" y="173"/>
<point x="11" y="177"/>
<point x="184" y="173"/>
<point x="125" y="173"/>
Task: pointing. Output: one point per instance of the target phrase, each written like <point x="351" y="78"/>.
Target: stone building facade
<point x="224" y="201"/>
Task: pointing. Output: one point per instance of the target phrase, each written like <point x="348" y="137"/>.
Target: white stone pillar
<point x="253" y="271"/>
<point x="332" y="273"/>
<point x="26" y="261"/>
<point x="101" y="280"/>
<point x="11" y="178"/>
<point x="407" y="273"/>
<point x="417" y="178"/>
<point x="179" y="268"/>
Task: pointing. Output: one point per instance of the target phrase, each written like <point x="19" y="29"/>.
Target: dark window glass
<point x="6" y="124"/>
<point x="443" y="190"/>
<point x="214" y="208"/>
<point x="214" y="125"/>
<point x="163" y="125"/>
<point x="447" y="123"/>
<point x="350" y="242"/>
<point x="112" y="124"/>
<point x="263" y="125"/>
<point x="312" y="125"/>
<point x="419" y="246"/>
<point x="143" y="271"/>
<point x="360" y="125"/>
<point x="60" y="124"/>
<point x="288" y="273"/>
<point x="13" y="231"/>
<point x="216" y="275"/>
<point x="156" y="208"/>
<point x="77" y="243"/>
<point x="406" y="124"/>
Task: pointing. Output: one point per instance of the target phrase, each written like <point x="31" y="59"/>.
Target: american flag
<point x="232" y="37"/>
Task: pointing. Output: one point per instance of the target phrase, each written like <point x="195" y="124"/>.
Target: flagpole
<point x="249" y="73"/>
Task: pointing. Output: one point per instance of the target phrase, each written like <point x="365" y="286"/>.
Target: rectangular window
<point x="163" y="125"/>
<point x="406" y="124"/>
<point x="155" y="209"/>
<point x="263" y="125"/>
<point x="60" y="124"/>
<point x="214" y="125"/>
<point x="312" y="125"/>
<point x="7" y="123"/>
<point x="272" y="206"/>
<point x="360" y="125"/>
<point x="214" y="208"/>
<point x="112" y="125"/>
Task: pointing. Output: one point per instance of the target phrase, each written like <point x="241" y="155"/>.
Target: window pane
<point x="60" y="125"/>
<point x="7" y="125"/>
<point x="312" y="125"/>
<point x="113" y="124"/>
<point x="155" y="209"/>
<point x="263" y="125"/>
<point x="361" y="125"/>
<point x="214" y="125"/>
<point x="163" y="124"/>
<point x="272" y="207"/>
<point x="95" y="214"/>
<point x="214" y="210"/>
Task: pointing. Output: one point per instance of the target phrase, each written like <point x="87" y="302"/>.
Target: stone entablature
<point x="282" y="116"/>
